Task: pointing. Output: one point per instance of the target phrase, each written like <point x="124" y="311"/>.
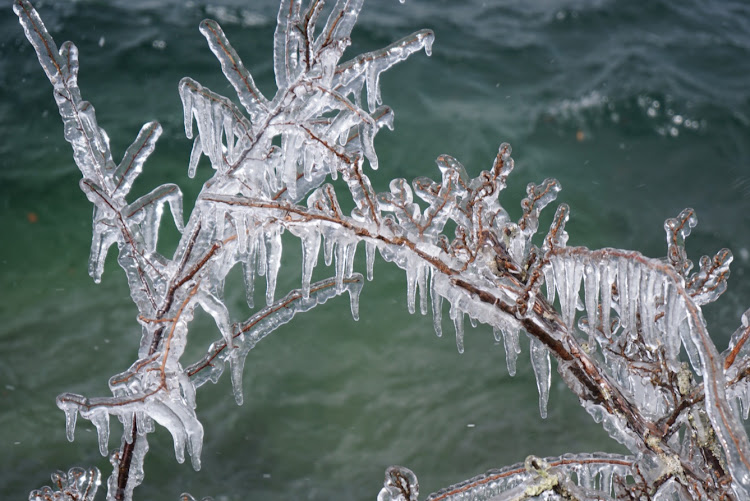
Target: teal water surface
<point x="640" y="109"/>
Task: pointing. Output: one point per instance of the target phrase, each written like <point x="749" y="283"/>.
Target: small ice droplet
<point x="101" y="41"/>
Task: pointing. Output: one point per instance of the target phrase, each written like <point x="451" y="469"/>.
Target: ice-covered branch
<point x="615" y="321"/>
<point x="571" y="476"/>
<point x="156" y="388"/>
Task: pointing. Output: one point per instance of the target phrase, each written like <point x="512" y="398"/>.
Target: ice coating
<point x="594" y="476"/>
<point x="77" y="484"/>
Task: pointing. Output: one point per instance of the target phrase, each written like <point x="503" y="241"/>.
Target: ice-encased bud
<point x="535" y="464"/>
<point x="77" y="484"/>
<point x="400" y="485"/>
<point x="186" y="496"/>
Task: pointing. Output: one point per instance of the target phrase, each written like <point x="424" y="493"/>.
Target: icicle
<point x="349" y="253"/>
<point x="497" y="334"/>
<point x="354" y="292"/>
<point x="339" y="265"/>
<point x="101" y="240"/>
<point x="743" y="395"/>
<point x="228" y="125"/>
<point x="217" y="129"/>
<point x="591" y="297"/>
<point x="605" y="480"/>
<point x="126" y="419"/>
<point x="370" y="258"/>
<point x="549" y="283"/>
<point x="437" y="305"/>
<point x="372" y="79"/>
<point x="458" y="322"/>
<point x="165" y="417"/>
<point x="623" y="294"/>
<point x="512" y="348"/>
<point x="560" y="281"/>
<point x="422" y="274"/>
<point x="310" y="249"/>
<point x="248" y="268"/>
<point x="575" y="274"/>
<point x="328" y="244"/>
<point x="221" y="223"/>
<point x="585" y="478"/>
<point x="240" y="226"/>
<point x="412" y="269"/>
<point x="261" y="256"/>
<point x="144" y="423"/>
<point x="291" y="144"/>
<point x="647" y="303"/>
<point x="188" y="390"/>
<point x="608" y="273"/>
<point x="186" y="95"/>
<point x="634" y="294"/>
<point x="237" y="365"/>
<point x="540" y="362"/>
<point x="71" y="415"/>
<point x="568" y="274"/>
<point x="195" y="156"/>
<point x="100" y="419"/>
<point x="273" y="261"/>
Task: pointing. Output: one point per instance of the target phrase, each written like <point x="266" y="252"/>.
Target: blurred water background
<point x="639" y="109"/>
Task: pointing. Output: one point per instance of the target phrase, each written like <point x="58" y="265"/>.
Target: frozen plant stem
<point x="615" y="321"/>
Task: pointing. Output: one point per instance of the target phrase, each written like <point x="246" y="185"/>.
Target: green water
<point x="638" y="111"/>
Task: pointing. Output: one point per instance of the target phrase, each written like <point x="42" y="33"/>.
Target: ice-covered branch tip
<point x="75" y="485"/>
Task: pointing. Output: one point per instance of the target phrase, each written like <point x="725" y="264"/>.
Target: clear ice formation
<point x="571" y="476"/>
<point x="615" y="321"/>
<point x="75" y="485"/>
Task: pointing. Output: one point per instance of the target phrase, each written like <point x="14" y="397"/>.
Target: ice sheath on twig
<point x="616" y="322"/>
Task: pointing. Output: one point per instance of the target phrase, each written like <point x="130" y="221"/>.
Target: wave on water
<point x="645" y="112"/>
